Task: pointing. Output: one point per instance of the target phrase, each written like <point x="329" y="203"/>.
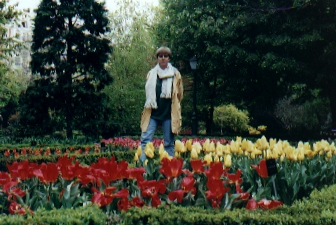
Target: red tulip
<point x="187" y="184"/>
<point x="269" y="204"/>
<point x="261" y="168"/>
<point x="123" y="204"/>
<point x="251" y="204"/>
<point x="47" y="173"/>
<point x="242" y="195"/>
<point x="106" y="197"/>
<point x="234" y="178"/>
<point x="22" y="170"/>
<point x="136" y="201"/>
<point x="197" y="165"/>
<point x="15" y="208"/>
<point x="171" y="168"/>
<point x="4" y="178"/>
<point x="216" y="192"/>
<point x="136" y="173"/>
<point x="215" y="172"/>
<point x="151" y="189"/>
<point x="178" y="194"/>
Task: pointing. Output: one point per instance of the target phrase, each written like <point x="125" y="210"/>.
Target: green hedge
<point x="319" y="209"/>
<point x="81" y="216"/>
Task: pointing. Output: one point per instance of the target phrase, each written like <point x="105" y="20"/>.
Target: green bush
<point x="230" y="118"/>
<point x="81" y="216"/>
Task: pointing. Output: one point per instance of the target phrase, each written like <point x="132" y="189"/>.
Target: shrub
<point x="230" y="118"/>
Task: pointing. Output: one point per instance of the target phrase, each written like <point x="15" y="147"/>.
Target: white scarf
<point x="167" y="81"/>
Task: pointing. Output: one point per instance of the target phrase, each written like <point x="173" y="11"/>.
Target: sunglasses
<point x="163" y="56"/>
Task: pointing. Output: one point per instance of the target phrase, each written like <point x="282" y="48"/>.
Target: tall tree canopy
<point x="69" y="53"/>
<point x="8" y="45"/>
<point x="250" y="52"/>
<point x="133" y="56"/>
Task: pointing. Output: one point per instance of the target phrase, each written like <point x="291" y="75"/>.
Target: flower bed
<point x="207" y="174"/>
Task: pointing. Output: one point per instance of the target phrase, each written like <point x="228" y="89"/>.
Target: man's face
<point x="163" y="59"/>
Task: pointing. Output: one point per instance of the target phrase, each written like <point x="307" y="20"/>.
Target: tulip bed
<point x="207" y="174"/>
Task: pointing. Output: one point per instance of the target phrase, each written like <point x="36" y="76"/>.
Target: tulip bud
<point x="149" y="152"/>
<point x="193" y="153"/>
<point x="164" y="154"/>
<point x="208" y="159"/>
<point x="216" y="158"/>
<point x="136" y="157"/>
<point x="161" y="149"/>
<point x="139" y="151"/>
<point x="329" y="154"/>
<point x="189" y="144"/>
<point x="227" y="161"/>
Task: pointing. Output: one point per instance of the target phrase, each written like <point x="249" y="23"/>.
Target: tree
<point x="250" y="52"/>
<point x="12" y="82"/>
<point x="69" y="53"/>
<point x="133" y="56"/>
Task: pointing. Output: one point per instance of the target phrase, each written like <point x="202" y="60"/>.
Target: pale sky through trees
<point x="33" y="4"/>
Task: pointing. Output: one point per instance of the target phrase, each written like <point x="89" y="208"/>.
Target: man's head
<point x="163" y="55"/>
<point x="163" y="51"/>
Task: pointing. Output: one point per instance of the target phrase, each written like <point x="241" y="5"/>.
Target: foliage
<point x="229" y="117"/>
<point x="69" y="53"/>
<point x="309" y="116"/>
<point x="12" y="82"/>
<point x="90" y="214"/>
<point x="250" y="52"/>
<point x="132" y="58"/>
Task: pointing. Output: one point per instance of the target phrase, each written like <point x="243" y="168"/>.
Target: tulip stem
<point x="275" y="192"/>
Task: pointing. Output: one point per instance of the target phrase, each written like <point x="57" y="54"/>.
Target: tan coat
<point x="176" y="118"/>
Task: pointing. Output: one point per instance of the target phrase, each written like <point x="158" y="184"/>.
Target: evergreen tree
<point x="69" y="53"/>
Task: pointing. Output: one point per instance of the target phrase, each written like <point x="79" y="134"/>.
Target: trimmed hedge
<point x="319" y="209"/>
<point x="80" y="216"/>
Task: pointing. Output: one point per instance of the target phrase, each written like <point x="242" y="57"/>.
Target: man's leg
<point x="147" y="137"/>
<point x="168" y="137"/>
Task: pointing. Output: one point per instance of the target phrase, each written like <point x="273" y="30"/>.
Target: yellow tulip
<point x="189" y="144"/>
<point x="164" y="154"/>
<point x="193" y="153"/>
<point x="179" y="147"/>
<point x="197" y="146"/>
<point x="216" y="158"/>
<point x="161" y="149"/>
<point x="208" y="159"/>
<point x="219" y="149"/>
<point x="226" y="149"/>
<point x="329" y="154"/>
<point x="149" y="151"/>
<point x="177" y="154"/>
<point x="136" y="157"/>
<point x="206" y="145"/>
<point x="300" y="153"/>
<point x="139" y="151"/>
<point x="227" y="161"/>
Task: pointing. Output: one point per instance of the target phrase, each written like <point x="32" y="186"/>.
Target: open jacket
<point x="176" y="118"/>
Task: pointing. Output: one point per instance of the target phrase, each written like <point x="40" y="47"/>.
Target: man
<point x="164" y="92"/>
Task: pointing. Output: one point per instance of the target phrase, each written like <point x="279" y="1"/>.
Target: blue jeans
<point x="168" y="136"/>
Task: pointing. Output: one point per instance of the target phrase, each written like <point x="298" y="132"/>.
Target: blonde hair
<point x="163" y="49"/>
